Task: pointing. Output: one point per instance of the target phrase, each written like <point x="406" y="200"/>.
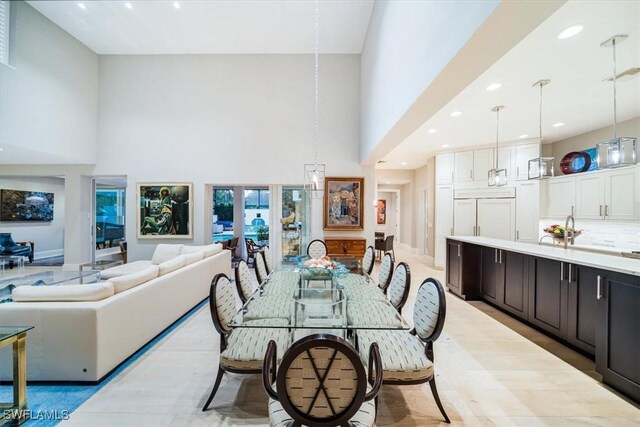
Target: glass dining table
<point x="308" y="300"/>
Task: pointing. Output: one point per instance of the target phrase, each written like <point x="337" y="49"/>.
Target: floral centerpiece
<point x="323" y="266"/>
<point x="558" y="231"/>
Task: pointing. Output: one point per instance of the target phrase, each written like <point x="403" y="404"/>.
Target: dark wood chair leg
<point x="434" y="391"/>
<point x="215" y="388"/>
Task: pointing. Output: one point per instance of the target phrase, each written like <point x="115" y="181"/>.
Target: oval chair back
<point x="321" y="380"/>
<point x="317" y="249"/>
<point x="399" y="287"/>
<point x="222" y="304"/>
<point x="266" y="254"/>
<point x="243" y="281"/>
<point x="367" y="260"/>
<point x="386" y="272"/>
<point x="260" y="267"/>
<point x="430" y="310"/>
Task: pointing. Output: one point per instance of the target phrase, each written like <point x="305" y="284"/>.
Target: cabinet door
<point x="582" y="306"/>
<point x="524" y="153"/>
<point x="515" y="295"/>
<point x="463" y="166"/>
<point x="507" y="160"/>
<point x="444" y="169"/>
<point x="440" y="252"/>
<point x="444" y="210"/>
<point x="497" y="218"/>
<point x="561" y="193"/>
<point x="482" y="162"/>
<point x="618" y="332"/>
<point x="454" y="266"/>
<point x="620" y="201"/>
<point x="590" y="196"/>
<point x="490" y="274"/>
<point x="548" y="296"/>
<point x="527" y="210"/>
<point x="464" y="217"/>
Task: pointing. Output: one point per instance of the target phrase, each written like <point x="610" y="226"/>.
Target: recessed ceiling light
<point x="176" y="5"/>
<point x="128" y="5"/>
<point x="523" y="136"/>
<point x="82" y="6"/>
<point x="432" y="131"/>
<point x="494" y="86"/>
<point x="444" y="146"/>
<point x="557" y="125"/>
<point x="570" y="32"/>
<point x="404" y="163"/>
<point x="455" y="114"/>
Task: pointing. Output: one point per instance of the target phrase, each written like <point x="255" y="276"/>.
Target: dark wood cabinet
<point x="346" y="246"/>
<point x="462" y="269"/>
<point x="515" y="295"/>
<point x="582" y="306"/>
<point x="548" y="295"/>
<point x="618" y="331"/>
<point x="491" y="275"/>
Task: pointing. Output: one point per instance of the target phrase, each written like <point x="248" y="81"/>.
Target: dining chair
<point x="244" y="285"/>
<point x="321" y="381"/>
<point x="317" y="249"/>
<point x="232" y="245"/>
<point x="241" y="350"/>
<point x="252" y="249"/>
<point x="386" y="245"/>
<point x="386" y="272"/>
<point x="400" y="285"/>
<point x="261" y="268"/>
<point x="367" y="260"/>
<point x="266" y="254"/>
<point x="407" y="357"/>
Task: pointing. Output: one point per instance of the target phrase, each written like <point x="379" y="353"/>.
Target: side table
<point x="99" y="265"/>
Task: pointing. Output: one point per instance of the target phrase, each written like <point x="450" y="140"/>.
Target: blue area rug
<point x="59" y="400"/>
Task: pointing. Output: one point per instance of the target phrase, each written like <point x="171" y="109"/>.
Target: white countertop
<point x="590" y="259"/>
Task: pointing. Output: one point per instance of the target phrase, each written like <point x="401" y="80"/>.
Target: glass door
<point x="295" y="224"/>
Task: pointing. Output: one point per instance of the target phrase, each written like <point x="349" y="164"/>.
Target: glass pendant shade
<point x="497" y="177"/>
<point x="617" y="152"/>
<point x="314" y="180"/>
<point x="541" y="167"/>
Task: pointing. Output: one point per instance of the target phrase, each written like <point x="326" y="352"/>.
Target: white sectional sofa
<point x="82" y="332"/>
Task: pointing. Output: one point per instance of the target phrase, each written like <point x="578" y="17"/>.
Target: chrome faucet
<point x="566" y="231"/>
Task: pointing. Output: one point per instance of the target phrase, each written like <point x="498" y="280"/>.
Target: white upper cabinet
<point x="507" y="160"/>
<point x="527" y="210"/>
<point x="524" y="153"/>
<point x="590" y="196"/>
<point x="463" y="166"/>
<point x="560" y="197"/>
<point x="444" y="168"/>
<point x="482" y="162"/>
<point x="496" y="218"/>
<point x="464" y="217"/>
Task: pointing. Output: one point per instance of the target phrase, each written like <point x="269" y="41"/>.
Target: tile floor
<point x="488" y="374"/>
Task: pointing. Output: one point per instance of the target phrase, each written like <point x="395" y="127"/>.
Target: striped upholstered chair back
<point x="261" y="268"/>
<point x="243" y="281"/>
<point x="317" y="249"/>
<point x="367" y="260"/>
<point x="321" y="381"/>
<point x="266" y="254"/>
<point x="399" y="287"/>
<point x="222" y="303"/>
<point x="429" y="310"/>
<point x="386" y="272"/>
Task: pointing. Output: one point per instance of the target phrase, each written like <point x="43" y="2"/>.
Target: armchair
<point x="15" y="248"/>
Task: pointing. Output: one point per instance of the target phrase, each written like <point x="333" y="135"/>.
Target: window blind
<point x="5" y="16"/>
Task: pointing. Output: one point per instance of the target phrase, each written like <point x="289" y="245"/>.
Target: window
<point x="7" y="18"/>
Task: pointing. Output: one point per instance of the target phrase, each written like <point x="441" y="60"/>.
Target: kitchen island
<point x="589" y="301"/>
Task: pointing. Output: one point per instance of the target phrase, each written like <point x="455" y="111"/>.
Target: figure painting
<point x="165" y="211"/>
<point x="381" y="211"/>
<point x="343" y="199"/>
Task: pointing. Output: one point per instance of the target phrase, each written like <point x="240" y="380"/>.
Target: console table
<point x="346" y="246"/>
<point x="17" y="336"/>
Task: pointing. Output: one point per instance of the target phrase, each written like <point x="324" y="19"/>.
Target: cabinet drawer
<point x="352" y="247"/>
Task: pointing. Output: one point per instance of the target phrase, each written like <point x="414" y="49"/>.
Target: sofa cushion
<point x="128" y="281"/>
<point x="209" y="250"/>
<point x="194" y="257"/>
<point x="121" y="270"/>
<point x="88" y="292"/>
<point x="165" y="252"/>
<point x="172" y="264"/>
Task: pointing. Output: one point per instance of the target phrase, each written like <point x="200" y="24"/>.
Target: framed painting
<point x="17" y="205"/>
<point x="343" y="201"/>
<point x="381" y="211"/>
<point x="165" y="210"/>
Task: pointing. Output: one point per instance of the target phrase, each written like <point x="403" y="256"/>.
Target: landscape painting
<point x="343" y="199"/>
<point x="165" y="210"/>
<point x="17" y="205"/>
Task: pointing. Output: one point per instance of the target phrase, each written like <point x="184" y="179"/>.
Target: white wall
<point x="227" y="119"/>
<point x="407" y="46"/>
<point x="48" y="237"/>
<point x="49" y="98"/>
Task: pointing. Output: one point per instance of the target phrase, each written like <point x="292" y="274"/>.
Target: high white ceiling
<point x="576" y="96"/>
<point x="212" y="27"/>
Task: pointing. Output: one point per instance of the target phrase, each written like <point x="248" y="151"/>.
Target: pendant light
<point x="314" y="173"/>
<point x="619" y="151"/>
<point x="541" y="167"/>
<point x="497" y="177"/>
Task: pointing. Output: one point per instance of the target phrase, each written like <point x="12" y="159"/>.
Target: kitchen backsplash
<point x="624" y="236"/>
